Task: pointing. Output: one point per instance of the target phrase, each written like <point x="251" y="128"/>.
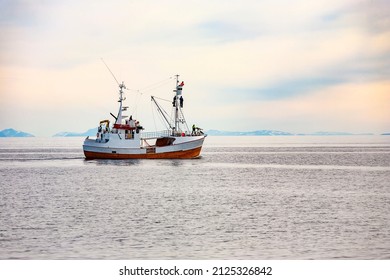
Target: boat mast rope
<point x="162" y="120"/>
<point x="155" y="86"/>
<point x="146" y="89"/>
<point x="163" y="113"/>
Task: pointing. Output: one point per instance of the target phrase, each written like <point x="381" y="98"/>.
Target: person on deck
<point x="174" y="101"/>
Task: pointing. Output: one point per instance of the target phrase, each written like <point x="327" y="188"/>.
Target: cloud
<point x="232" y="54"/>
<point x="345" y="107"/>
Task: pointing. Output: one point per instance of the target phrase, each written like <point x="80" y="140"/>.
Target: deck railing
<point x="156" y="134"/>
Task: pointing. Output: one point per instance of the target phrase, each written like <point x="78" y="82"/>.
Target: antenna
<point x="110" y="71"/>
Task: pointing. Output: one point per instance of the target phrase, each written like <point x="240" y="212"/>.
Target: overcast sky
<point x="297" y="66"/>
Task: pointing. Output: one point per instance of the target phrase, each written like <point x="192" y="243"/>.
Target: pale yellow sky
<point x="297" y="66"/>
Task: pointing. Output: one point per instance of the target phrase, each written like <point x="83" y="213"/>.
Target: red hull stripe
<point x="168" y="155"/>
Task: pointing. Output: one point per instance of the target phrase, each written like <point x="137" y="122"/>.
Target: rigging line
<point x="162" y="112"/>
<point x="134" y="90"/>
<point x="136" y="102"/>
<point x="109" y="70"/>
<point x="154" y="118"/>
<point x="162" y="99"/>
<point x="167" y="114"/>
<point x="154" y="84"/>
<point x="184" y="118"/>
<point x="154" y="88"/>
<point x="167" y="126"/>
<point x="160" y="119"/>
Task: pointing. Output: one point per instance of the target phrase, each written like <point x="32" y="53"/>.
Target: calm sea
<point x="282" y="197"/>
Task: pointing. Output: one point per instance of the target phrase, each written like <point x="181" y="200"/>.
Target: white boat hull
<point x="182" y="148"/>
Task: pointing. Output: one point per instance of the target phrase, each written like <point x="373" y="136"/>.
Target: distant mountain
<point x="10" y="132"/>
<point x="327" y="133"/>
<point x="387" y="133"/>
<point x="90" y="132"/>
<point x="214" y="132"/>
<point x="277" y="133"/>
<point x="247" y="133"/>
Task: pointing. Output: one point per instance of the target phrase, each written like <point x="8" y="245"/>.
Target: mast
<point x="176" y="128"/>
<point x="119" y="118"/>
<point x="178" y="105"/>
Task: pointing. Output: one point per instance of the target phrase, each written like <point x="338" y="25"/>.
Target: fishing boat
<point x="126" y="138"/>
